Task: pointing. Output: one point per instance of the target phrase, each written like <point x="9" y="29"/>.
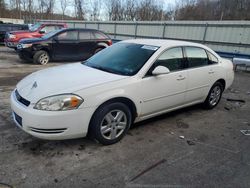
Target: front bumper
<point x="26" y="53"/>
<point x="51" y="125"/>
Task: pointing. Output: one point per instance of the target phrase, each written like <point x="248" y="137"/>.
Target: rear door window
<point x="58" y="27"/>
<point x="49" y="28"/>
<point x="197" y="57"/>
<point x="68" y="35"/>
<point x="84" y="35"/>
<point x="172" y="59"/>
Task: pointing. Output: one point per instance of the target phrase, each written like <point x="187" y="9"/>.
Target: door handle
<point x="210" y="72"/>
<point x="181" y="78"/>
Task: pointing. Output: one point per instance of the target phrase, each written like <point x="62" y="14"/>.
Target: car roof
<point x="164" y="43"/>
<point x="44" y="23"/>
<point x="80" y="29"/>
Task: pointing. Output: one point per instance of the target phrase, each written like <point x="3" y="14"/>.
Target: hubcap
<point x="113" y="124"/>
<point x="215" y="95"/>
<point x="44" y="58"/>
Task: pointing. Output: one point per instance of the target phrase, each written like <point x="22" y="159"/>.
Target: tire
<point x="41" y="57"/>
<point x="98" y="50"/>
<point x="110" y="123"/>
<point x="214" y="96"/>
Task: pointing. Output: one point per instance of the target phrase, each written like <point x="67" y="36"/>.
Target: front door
<point x="65" y="46"/>
<point x="87" y="45"/>
<point x="167" y="91"/>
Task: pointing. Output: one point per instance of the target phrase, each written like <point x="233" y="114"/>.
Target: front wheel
<point x="110" y="123"/>
<point x="214" y="96"/>
<point x="41" y="57"/>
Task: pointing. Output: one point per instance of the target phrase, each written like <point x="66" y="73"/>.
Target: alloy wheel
<point x="215" y="95"/>
<point x="113" y="124"/>
<point x="44" y="59"/>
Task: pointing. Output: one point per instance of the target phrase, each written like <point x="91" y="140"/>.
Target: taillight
<point x="109" y="42"/>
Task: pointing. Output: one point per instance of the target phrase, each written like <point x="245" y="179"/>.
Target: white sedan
<point x="128" y="82"/>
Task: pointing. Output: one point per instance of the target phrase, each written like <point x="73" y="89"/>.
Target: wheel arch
<point x="223" y="82"/>
<point x="43" y="48"/>
<point x="128" y="102"/>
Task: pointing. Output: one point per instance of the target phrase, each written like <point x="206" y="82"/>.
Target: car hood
<point x="62" y="79"/>
<point x="20" y="32"/>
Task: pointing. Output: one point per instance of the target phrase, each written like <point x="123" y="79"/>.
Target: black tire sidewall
<point x="95" y="130"/>
<point x="207" y="104"/>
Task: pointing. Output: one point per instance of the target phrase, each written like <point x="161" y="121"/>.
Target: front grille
<point x="21" y="99"/>
<point x="47" y="131"/>
<point x="18" y="119"/>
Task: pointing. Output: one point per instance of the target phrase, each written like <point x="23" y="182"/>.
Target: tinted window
<point x="99" y="35"/>
<point x="172" y="59"/>
<point x="35" y="27"/>
<point x="68" y="35"/>
<point x="84" y="35"/>
<point x="122" y="58"/>
<point x="196" y="57"/>
<point x="48" y="29"/>
<point x="212" y="58"/>
<point x="58" y="27"/>
<point x="50" y="34"/>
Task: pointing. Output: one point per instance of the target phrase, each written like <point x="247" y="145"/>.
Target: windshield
<point x="34" y="27"/>
<point x="122" y="58"/>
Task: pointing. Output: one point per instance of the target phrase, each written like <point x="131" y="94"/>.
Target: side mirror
<point x="41" y="32"/>
<point x="160" y="70"/>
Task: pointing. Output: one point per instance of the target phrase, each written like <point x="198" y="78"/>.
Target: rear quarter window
<point x="99" y="35"/>
<point x="84" y="35"/>
<point x="212" y="58"/>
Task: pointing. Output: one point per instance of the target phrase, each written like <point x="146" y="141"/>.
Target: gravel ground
<point x="211" y="152"/>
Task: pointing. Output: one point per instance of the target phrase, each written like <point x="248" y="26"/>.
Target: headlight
<point x="11" y="36"/>
<point x="59" y="103"/>
<point x="26" y="45"/>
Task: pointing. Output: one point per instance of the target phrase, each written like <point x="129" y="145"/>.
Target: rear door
<point x="65" y="46"/>
<point x="201" y="73"/>
<point x="87" y="45"/>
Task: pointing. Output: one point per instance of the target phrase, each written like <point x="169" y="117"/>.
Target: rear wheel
<point x="214" y="96"/>
<point x="41" y="57"/>
<point x="110" y="123"/>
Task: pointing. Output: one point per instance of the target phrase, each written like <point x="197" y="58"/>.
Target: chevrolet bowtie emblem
<point x="34" y="85"/>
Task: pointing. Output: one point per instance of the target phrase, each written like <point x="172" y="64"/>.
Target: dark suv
<point x="66" y="44"/>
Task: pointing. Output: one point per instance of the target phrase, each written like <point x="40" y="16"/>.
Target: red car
<point x="36" y="31"/>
